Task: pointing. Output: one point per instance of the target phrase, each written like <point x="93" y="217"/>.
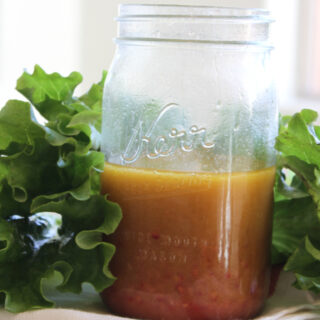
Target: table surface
<point x="287" y="303"/>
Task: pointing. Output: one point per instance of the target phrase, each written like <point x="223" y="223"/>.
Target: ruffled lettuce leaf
<point x="40" y="87"/>
<point x="52" y="216"/>
<point x="305" y="263"/>
<point x="296" y="226"/>
<point x="23" y="131"/>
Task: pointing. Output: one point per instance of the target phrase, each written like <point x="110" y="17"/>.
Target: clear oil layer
<point x="190" y="245"/>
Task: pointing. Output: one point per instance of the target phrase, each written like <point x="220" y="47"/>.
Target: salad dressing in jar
<point x="189" y="124"/>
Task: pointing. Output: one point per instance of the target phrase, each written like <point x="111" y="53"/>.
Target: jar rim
<point x="213" y="24"/>
<point x="249" y="45"/>
<point x="130" y="10"/>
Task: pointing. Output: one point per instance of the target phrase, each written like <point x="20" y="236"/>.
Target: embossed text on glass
<point x="146" y="142"/>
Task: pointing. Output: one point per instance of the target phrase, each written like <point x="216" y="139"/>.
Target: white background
<point x="68" y="35"/>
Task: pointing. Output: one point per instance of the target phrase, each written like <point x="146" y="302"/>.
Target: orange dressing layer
<point x="190" y="245"/>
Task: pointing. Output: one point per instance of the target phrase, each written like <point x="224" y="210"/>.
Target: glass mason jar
<point x="188" y="130"/>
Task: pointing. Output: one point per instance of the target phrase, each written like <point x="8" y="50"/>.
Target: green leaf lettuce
<point x="296" y="225"/>
<point x="52" y="216"/>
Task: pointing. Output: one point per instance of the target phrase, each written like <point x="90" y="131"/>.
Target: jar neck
<point x="194" y="23"/>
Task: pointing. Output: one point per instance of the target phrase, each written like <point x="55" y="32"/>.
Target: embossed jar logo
<point x="163" y="134"/>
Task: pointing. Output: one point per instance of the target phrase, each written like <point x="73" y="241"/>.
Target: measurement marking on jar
<point x="147" y="142"/>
